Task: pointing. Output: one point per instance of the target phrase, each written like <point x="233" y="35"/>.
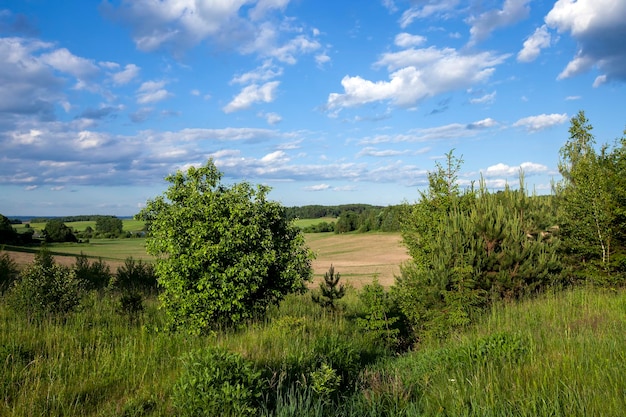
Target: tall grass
<point x="560" y="355"/>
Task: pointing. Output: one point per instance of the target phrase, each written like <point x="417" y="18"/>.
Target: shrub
<point x="8" y="271"/>
<point x="45" y="288"/>
<point x="380" y="320"/>
<point x="217" y="382"/>
<point x="95" y="275"/>
<point x="135" y="276"/>
<point x="130" y="305"/>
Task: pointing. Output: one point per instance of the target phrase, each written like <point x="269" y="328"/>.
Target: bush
<point x="45" y="288"/>
<point x="135" y="276"/>
<point x="95" y="275"/>
<point x="217" y="382"/>
<point x="8" y="272"/>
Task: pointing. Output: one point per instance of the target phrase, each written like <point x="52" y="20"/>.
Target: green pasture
<point x="129" y="225"/>
<point x="302" y="223"/>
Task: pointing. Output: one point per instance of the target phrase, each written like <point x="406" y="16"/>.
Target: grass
<point x="559" y="355"/>
<point x="129" y="225"/>
<point x="302" y="223"/>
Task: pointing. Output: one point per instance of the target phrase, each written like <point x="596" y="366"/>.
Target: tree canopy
<point x="224" y="253"/>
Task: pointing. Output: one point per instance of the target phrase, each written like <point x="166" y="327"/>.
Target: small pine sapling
<point x="330" y="290"/>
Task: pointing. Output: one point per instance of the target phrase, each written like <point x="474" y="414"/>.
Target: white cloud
<point x="486" y="99"/>
<point x="370" y="151"/>
<point x="572" y="98"/>
<point x="252" y="94"/>
<point x="598" y="27"/>
<point x="152" y="92"/>
<point x="449" y="131"/>
<point x="318" y="187"/>
<point x="482" y="25"/>
<point x="265" y="72"/>
<point x="322" y="59"/>
<point x="533" y="45"/>
<point x="272" y="118"/>
<point x="503" y="170"/>
<point x="129" y="73"/>
<point x="64" y="61"/>
<point x="541" y="122"/>
<point x="423" y="73"/>
<point x="433" y="7"/>
<point x="406" y="40"/>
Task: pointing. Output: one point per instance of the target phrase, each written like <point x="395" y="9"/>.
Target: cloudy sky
<point x="327" y="102"/>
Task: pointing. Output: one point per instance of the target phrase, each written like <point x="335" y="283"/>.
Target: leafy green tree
<point x="8" y="271"/>
<point x="224" y="253"/>
<point x="7" y="232"/>
<point x="57" y="231"/>
<point x="592" y="195"/>
<point x="109" y="226"/>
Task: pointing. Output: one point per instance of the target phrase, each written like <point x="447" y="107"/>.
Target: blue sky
<point x="326" y="102"/>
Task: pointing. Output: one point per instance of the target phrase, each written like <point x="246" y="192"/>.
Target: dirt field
<point x="357" y="257"/>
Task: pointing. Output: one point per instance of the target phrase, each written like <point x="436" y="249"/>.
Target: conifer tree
<point x="330" y="290"/>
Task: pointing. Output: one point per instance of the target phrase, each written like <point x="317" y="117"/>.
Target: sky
<point x="326" y="102"/>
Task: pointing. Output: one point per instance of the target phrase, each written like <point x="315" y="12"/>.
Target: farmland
<point x="358" y="257"/>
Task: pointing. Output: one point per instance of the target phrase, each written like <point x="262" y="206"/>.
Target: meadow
<point x="559" y="354"/>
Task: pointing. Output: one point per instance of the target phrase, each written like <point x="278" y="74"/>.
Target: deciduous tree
<point x="224" y="253"/>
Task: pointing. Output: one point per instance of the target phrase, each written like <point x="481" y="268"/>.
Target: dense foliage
<point x="109" y="226"/>
<point x="7" y="232"/>
<point x="471" y="249"/>
<point x="224" y="253"/>
<point x="45" y="288"/>
<point x="57" y="231"/>
<point x="592" y="197"/>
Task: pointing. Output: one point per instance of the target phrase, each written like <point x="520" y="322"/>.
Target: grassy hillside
<point x="560" y="355"/>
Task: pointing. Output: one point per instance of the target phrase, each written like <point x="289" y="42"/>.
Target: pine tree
<point x="330" y="290"/>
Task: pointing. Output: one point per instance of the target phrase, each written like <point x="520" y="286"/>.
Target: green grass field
<point x="129" y="225"/>
<point x="302" y="223"/>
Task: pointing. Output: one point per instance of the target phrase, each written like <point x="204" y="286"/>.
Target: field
<point x="357" y="257"/>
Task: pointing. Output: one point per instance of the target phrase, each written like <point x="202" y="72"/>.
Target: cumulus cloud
<point x="482" y="25"/>
<point x="152" y="92"/>
<point x="64" y="61"/>
<point x="174" y="24"/>
<point x="271" y="118"/>
<point x="406" y="40"/>
<point x="129" y="73"/>
<point x="28" y="85"/>
<point x="317" y="187"/>
<point x="541" y="122"/>
<point x="598" y="27"/>
<point x="252" y="94"/>
<point x="533" y="45"/>
<point x="503" y="170"/>
<point x="422" y="73"/>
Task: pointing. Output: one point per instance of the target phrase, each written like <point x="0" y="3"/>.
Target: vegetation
<point x="330" y="290"/>
<point x="511" y="304"/>
<point x="224" y="254"/>
<point x="57" y="231"/>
